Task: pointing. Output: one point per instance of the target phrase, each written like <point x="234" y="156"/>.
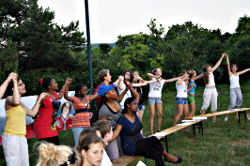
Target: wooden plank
<point x="177" y="128"/>
<point x="124" y="160"/>
<point x="220" y="113"/>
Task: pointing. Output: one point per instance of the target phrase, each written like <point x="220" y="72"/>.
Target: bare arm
<point x="199" y="76"/>
<point x="36" y="107"/>
<point x="16" y="99"/>
<point x="219" y="62"/>
<point x="136" y="95"/>
<point x="3" y="87"/>
<point x="243" y="71"/>
<point x="150" y="76"/>
<point x="102" y="118"/>
<point x="117" y="82"/>
<point x="228" y="66"/>
<point x="173" y="79"/>
<point x="61" y="94"/>
<point x="117" y="131"/>
<point x="143" y="83"/>
<point x="190" y="87"/>
<point x="119" y="98"/>
<point x="67" y="84"/>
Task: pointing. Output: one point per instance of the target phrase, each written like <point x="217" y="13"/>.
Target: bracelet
<point x="62" y="90"/>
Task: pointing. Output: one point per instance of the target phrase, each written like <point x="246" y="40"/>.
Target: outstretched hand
<point x="68" y="80"/>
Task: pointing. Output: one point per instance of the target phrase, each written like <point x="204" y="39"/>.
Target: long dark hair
<point x="43" y="84"/>
<point x="131" y="75"/>
<point x="205" y="72"/>
<point x="127" y="101"/>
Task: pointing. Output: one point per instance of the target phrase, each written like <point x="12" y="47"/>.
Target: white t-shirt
<point x="155" y="88"/>
<point x="181" y="90"/>
<point x="211" y="81"/>
<point x="234" y="81"/>
<point x="106" y="160"/>
<point x="127" y="95"/>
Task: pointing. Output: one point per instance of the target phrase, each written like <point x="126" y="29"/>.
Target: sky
<point x="111" y="18"/>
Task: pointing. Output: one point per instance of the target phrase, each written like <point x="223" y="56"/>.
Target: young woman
<point x="191" y="92"/>
<point x="91" y="149"/>
<point x="154" y="97"/>
<point x="14" y="141"/>
<point x="138" y="82"/>
<point x="43" y="123"/>
<point x="81" y="102"/>
<point x="181" y="98"/>
<point x="235" y="90"/>
<point x="133" y="143"/>
<point x="111" y="111"/>
<point x="53" y="155"/>
<point x="210" y="93"/>
<point x="128" y="77"/>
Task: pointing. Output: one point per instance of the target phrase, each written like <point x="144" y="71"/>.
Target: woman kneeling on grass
<point x="133" y="143"/>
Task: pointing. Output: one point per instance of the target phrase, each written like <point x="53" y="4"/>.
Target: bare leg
<point x="178" y="114"/>
<point x="151" y="118"/>
<point x="159" y="110"/>
<point x="192" y="109"/>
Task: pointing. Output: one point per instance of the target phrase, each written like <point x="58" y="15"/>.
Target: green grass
<point x="223" y="143"/>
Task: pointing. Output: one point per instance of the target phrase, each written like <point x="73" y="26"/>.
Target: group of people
<point x="120" y="104"/>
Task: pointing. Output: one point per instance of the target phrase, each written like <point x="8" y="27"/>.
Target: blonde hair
<point x="55" y="155"/>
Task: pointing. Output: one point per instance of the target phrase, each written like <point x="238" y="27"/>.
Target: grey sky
<point x="110" y="18"/>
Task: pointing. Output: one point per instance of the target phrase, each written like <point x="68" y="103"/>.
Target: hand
<point x="12" y="75"/>
<point x="121" y="78"/>
<point x="42" y="96"/>
<point x="14" y="79"/>
<point x="224" y="54"/>
<point x="68" y="80"/>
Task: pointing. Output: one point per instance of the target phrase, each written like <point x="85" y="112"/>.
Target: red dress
<point x="44" y="120"/>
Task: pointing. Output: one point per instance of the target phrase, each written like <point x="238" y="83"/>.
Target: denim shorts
<point x="141" y="107"/>
<point x="180" y="100"/>
<point x="153" y="100"/>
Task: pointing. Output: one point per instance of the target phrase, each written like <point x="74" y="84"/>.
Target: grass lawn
<point x="223" y="143"/>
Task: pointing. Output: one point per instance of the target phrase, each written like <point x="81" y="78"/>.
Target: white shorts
<point x="15" y="150"/>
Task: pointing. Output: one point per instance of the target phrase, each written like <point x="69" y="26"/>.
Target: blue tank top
<point x="192" y="91"/>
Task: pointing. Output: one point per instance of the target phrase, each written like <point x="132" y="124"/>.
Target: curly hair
<point x="55" y="155"/>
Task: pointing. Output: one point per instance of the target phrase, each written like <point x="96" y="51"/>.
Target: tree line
<point x="33" y="45"/>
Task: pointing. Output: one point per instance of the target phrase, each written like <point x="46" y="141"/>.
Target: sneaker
<point x="226" y="119"/>
<point x="248" y="118"/>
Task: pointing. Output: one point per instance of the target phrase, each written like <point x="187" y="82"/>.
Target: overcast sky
<point x="110" y="18"/>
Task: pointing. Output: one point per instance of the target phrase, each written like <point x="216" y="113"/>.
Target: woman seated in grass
<point x="133" y="143"/>
<point x="235" y="90"/>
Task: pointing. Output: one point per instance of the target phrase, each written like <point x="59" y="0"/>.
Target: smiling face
<point x="93" y="156"/>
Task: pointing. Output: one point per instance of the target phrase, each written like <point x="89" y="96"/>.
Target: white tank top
<point x="181" y="90"/>
<point x="155" y="88"/>
<point x="211" y="80"/>
<point x="234" y="81"/>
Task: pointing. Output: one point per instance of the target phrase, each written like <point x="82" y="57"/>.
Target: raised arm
<point x="66" y="86"/>
<point x="243" y="71"/>
<point x="143" y="83"/>
<point x="3" y="87"/>
<point x="120" y="97"/>
<point x="174" y="79"/>
<point x="61" y="94"/>
<point x="36" y="107"/>
<point x="199" y="76"/>
<point x="228" y="65"/>
<point x="136" y="95"/>
<point x="117" y="82"/>
<point x="150" y="76"/>
<point x="219" y="62"/>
